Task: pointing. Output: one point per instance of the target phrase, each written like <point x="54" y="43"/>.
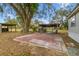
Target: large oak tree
<point x="25" y="11"/>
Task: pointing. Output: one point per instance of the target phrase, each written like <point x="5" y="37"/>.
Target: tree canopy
<point x="25" y="12"/>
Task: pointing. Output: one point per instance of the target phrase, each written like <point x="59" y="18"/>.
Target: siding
<point x="73" y="32"/>
<point x="75" y="28"/>
<point x="77" y="23"/>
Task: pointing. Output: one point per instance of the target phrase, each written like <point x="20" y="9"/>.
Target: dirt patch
<point x="72" y="45"/>
<point x="9" y="47"/>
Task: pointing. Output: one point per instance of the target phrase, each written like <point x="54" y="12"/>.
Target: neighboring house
<point x="73" y="24"/>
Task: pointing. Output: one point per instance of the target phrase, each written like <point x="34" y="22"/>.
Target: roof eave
<point x="73" y="12"/>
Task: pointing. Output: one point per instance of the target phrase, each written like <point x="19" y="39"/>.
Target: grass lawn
<point x="10" y="47"/>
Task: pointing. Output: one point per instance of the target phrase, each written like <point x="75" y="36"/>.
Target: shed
<point x="43" y="26"/>
<point x="4" y="27"/>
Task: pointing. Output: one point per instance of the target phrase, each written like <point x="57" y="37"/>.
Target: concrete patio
<point x="43" y="44"/>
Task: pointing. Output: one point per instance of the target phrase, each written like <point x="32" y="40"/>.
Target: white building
<point x="73" y="24"/>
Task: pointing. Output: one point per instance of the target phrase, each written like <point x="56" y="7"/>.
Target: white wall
<point x="74" y="31"/>
<point x="74" y="36"/>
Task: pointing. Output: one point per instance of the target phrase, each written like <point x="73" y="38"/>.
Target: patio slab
<point x="51" y="42"/>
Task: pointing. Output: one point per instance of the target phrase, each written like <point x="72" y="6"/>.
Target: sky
<point x="48" y="14"/>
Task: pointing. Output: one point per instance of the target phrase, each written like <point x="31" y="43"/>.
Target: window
<point x="73" y="21"/>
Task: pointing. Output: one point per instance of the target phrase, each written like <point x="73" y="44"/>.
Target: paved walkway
<point x="48" y="41"/>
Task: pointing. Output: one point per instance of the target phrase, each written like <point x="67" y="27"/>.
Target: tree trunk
<point x="25" y="26"/>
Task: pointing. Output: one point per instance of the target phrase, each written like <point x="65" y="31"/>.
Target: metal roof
<point x="49" y="25"/>
<point x="5" y="24"/>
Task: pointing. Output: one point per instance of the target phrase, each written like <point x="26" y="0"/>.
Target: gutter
<point x="75" y="11"/>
